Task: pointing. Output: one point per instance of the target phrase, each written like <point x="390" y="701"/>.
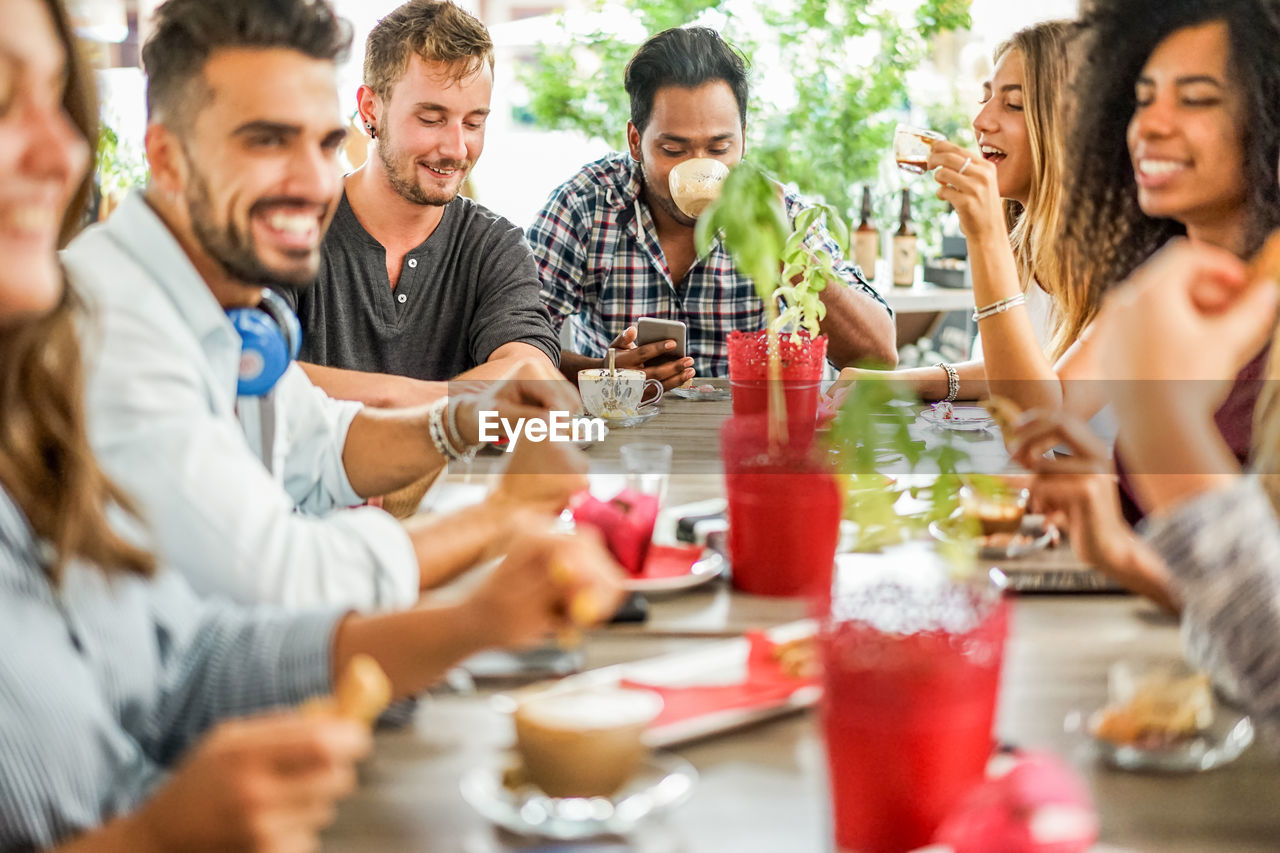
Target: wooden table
<point x="764" y="788"/>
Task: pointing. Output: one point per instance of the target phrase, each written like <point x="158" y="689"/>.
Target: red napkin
<point x="670" y="561"/>
<point x="626" y="520"/>
<point x="765" y="685"/>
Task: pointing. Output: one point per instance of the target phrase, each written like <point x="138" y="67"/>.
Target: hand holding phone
<point x="651" y="330"/>
<point x="643" y="346"/>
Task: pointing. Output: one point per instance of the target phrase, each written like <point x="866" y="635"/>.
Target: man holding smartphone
<point x="612" y="247"/>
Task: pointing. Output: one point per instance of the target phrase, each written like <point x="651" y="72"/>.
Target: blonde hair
<point x="434" y="30"/>
<point x="1048" y="65"/>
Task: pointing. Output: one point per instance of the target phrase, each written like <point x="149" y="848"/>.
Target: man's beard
<point x="402" y="175"/>
<point x="233" y="249"/>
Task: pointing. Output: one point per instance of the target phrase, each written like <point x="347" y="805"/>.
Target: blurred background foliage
<point x="829" y="82"/>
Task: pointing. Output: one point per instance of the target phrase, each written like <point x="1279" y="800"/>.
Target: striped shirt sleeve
<point x="558" y="237"/>
<point x="219" y="660"/>
<point x="1223" y="553"/>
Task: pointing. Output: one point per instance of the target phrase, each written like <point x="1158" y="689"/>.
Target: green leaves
<point x="789" y="276"/>
<point x="752" y="224"/>
<point x="120" y="167"/>
<point x="872" y="436"/>
<point x="836" y="83"/>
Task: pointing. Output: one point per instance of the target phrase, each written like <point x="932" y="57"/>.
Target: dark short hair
<point x="187" y="32"/>
<point x="436" y="31"/>
<point x="686" y="57"/>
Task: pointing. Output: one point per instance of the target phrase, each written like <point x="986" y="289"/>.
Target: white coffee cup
<point x="617" y="396"/>
<point x="695" y="183"/>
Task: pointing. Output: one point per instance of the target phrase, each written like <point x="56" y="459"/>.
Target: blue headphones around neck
<point x="269" y="340"/>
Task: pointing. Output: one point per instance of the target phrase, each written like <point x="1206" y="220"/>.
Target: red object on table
<point x="670" y="561"/>
<point x="802" y="358"/>
<point x="784" y="513"/>
<point x="907" y="718"/>
<point x="626" y="521"/>
<point x="765" y="685"/>
<point x="1037" y="804"/>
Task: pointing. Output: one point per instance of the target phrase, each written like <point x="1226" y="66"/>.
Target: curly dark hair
<point x="1105" y="233"/>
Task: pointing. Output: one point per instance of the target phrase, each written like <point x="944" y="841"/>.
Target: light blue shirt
<point x="107" y="679"/>
<point x="247" y="497"/>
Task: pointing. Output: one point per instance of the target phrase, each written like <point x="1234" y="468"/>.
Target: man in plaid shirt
<point x="612" y="247"/>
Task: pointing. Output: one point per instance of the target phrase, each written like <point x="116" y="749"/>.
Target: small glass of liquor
<point x="911" y="146"/>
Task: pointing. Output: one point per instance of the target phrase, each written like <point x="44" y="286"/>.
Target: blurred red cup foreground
<point x="1031" y="802"/>
<point x="911" y="670"/>
<point x="802" y="362"/>
<point x="784" y="513"/>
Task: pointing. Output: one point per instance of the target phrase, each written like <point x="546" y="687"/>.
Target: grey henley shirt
<point x="469" y="288"/>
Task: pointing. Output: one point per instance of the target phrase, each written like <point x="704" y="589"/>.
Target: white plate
<point x="1221" y="743"/>
<point x="643" y="414"/>
<point x="662" y="783"/>
<point x="962" y="418"/>
<point x="1031" y="537"/>
<point x="693" y="393"/>
<point x="722" y="663"/>
<point x="707" y="568"/>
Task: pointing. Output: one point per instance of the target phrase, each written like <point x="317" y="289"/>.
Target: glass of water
<point x="647" y="466"/>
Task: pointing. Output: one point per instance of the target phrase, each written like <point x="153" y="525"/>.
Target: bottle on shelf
<point x="866" y="240"/>
<point x="904" y="246"/>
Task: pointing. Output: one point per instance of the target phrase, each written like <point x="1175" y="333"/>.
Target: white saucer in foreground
<point x="663" y="781"/>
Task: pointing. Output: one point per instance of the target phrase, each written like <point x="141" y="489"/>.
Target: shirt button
<point x="413" y="262"/>
<point x="402" y="299"/>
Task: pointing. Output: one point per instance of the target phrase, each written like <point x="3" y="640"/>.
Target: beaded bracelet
<point x="953" y="382"/>
<point x="999" y="307"/>
<point x="455" y="434"/>
<point x="438" y="431"/>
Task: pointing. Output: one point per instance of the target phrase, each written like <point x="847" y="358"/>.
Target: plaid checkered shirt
<point x="602" y="266"/>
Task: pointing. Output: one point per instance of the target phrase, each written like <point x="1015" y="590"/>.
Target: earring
<point x="373" y="134"/>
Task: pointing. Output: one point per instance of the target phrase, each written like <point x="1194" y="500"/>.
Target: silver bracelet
<point x="455" y="434"/>
<point x="438" y="431"/>
<point x="953" y="382"/>
<point x="999" y="307"/>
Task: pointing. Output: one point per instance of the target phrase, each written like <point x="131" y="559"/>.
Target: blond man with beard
<point x="418" y="284"/>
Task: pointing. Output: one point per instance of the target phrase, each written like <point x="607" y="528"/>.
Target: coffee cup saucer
<point x="663" y="782"/>
<point x="644" y="414"/>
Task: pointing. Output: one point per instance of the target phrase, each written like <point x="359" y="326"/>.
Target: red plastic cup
<point x="784" y="513"/>
<point x="911" y="678"/>
<point x="802" y="362"/>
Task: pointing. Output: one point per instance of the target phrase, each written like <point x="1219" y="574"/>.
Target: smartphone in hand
<point x="651" y="330"/>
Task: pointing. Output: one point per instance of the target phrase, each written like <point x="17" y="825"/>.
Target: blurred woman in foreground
<point x="112" y="672"/>
<point x="1180" y="330"/>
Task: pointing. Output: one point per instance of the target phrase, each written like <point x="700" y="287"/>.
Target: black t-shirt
<point x="471" y="287"/>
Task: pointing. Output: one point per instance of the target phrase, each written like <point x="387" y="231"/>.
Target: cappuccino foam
<point x="593" y="709"/>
